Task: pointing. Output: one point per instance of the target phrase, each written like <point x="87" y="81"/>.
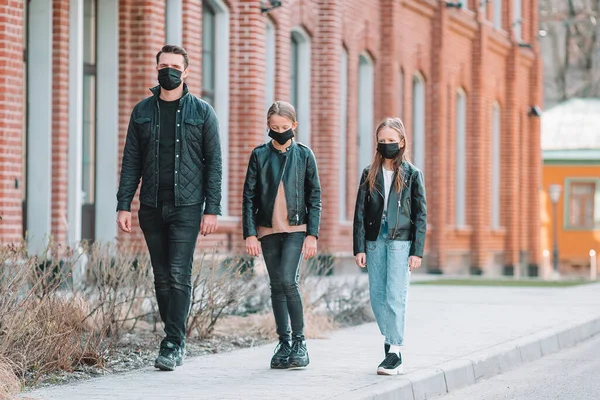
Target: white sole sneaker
<point x="396" y="371"/>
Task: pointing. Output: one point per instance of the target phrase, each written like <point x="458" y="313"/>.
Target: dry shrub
<point x="9" y="383"/>
<point x="218" y="289"/>
<point x="120" y="283"/>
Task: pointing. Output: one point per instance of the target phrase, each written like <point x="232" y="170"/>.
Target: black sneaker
<point x="299" y="355"/>
<point x="180" y="355"/>
<point x="386" y="348"/>
<point x="392" y="365"/>
<point x="281" y="357"/>
<point x="167" y="356"/>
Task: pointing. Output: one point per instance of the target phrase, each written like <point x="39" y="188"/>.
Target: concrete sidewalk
<point x="455" y="336"/>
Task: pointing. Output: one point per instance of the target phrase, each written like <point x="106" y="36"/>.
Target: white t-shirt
<point x="387" y="185"/>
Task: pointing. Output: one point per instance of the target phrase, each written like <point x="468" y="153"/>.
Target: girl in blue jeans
<point x="390" y="222"/>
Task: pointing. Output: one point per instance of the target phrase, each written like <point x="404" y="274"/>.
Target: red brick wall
<point x="450" y="48"/>
<point x="11" y="119"/>
<point x="60" y="119"/>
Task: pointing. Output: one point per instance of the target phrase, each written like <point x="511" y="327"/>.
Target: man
<point x="173" y="145"/>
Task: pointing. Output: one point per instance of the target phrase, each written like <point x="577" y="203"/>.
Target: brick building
<point x="462" y="79"/>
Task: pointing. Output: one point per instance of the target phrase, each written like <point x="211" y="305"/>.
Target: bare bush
<point x="9" y="383"/>
<point x="120" y="284"/>
<point x="218" y="288"/>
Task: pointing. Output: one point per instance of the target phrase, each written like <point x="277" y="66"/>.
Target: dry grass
<point x="9" y="383"/>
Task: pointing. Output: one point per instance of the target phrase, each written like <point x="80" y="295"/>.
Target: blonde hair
<point x="377" y="164"/>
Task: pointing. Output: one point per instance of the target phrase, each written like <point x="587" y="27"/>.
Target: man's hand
<point x="253" y="246"/>
<point x="209" y="224"/>
<point x="124" y="221"/>
<point x="361" y="260"/>
<point x="309" y="248"/>
<point x="414" y="262"/>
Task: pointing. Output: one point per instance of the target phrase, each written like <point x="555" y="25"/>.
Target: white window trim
<point x="343" y="134"/>
<point x="174" y="22"/>
<point x="304" y="83"/>
<point x="366" y="100"/>
<point x="418" y="120"/>
<point x="497" y="17"/>
<point x="496" y="162"/>
<point x="221" y="103"/>
<point x="461" y="159"/>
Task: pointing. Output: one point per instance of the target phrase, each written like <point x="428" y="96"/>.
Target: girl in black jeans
<point x="282" y="212"/>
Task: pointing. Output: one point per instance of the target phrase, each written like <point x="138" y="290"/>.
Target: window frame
<point x="567" y="204"/>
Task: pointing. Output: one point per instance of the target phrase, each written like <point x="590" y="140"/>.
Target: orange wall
<point x="573" y="246"/>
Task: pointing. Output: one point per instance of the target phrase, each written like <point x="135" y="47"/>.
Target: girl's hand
<point x="414" y="262"/>
<point x="309" y="248"/>
<point x="361" y="260"/>
<point x="253" y="246"/>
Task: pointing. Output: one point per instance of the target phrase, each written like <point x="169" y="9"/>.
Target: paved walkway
<point x="444" y="324"/>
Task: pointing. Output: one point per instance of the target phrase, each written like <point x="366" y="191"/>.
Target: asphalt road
<point x="573" y="374"/>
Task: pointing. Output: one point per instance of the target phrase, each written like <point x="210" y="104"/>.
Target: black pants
<point x="282" y="256"/>
<point x="171" y="233"/>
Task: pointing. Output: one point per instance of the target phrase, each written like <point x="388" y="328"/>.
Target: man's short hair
<point x="172" y="49"/>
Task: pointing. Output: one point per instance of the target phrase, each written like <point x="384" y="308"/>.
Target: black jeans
<point x="282" y="253"/>
<point x="171" y="233"/>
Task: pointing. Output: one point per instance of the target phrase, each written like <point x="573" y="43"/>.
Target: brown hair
<point x="283" y="109"/>
<point x="377" y="164"/>
<point x="172" y="49"/>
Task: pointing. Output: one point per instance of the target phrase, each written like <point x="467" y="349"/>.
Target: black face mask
<point x="169" y="78"/>
<point x="388" y="150"/>
<point x="283" y="137"/>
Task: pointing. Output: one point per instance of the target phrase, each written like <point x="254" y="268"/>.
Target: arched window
<point x="418" y="128"/>
<point x="496" y="166"/>
<point x="215" y="76"/>
<point x="300" y="81"/>
<point x="461" y="159"/>
<point x="366" y="94"/>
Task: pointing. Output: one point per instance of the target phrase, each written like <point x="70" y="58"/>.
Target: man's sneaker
<point x="299" y="355"/>
<point x="386" y="348"/>
<point x="281" y="357"/>
<point x="180" y="355"/>
<point x="167" y="356"/>
<point x="392" y="365"/>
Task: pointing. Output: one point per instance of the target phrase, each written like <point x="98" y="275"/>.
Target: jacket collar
<point x="156" y="91"/>
<point x="291" y="146"/>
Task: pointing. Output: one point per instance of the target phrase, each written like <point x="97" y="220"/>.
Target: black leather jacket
<point x="407" y="211"/>
<point x="198" y="166"/>
<point x="268" y="167"/>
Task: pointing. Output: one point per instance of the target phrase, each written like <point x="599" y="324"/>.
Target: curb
<point x="461" y="372"/>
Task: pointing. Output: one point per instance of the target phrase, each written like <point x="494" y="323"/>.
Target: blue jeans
<point x="389" y="277"/>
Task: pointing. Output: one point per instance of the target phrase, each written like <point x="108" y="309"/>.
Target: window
<point x="401" y="95"/>
<point x="215" y="81"/>
<point x="208" y="53"/>
<point x="518" y="19"/>
<point x="270" y="70"/>
<point x="300" y="82"/>
<point x="461" y="158"/>
<point x="583" y="204"/>
<point x="88" y="154"/>
<point x="497" y="14"/>
<point x="173" y="22"/>
<point x="343" y="134"/>
<point x="418" y="128"/>
<point x="366" y="93"/>
<point x="496" y="166"/>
